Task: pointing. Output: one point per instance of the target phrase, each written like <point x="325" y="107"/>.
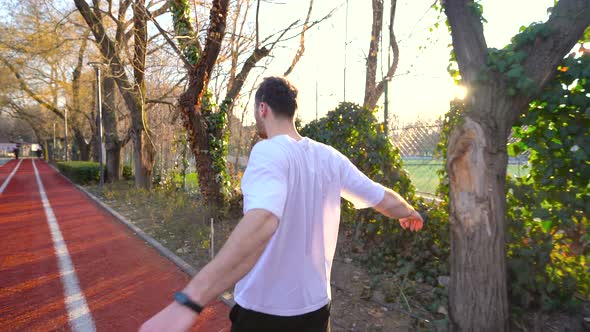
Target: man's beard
<point x="262" y="135"/>
<point x="261" y="131"/>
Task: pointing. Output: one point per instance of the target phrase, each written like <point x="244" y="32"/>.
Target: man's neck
<point x="285" y="128"/>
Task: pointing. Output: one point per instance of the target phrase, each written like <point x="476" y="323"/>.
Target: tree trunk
<point x="371" y="73"/>
<point x="111" y="130"/>
<point x="94" y="147"/>
<point x="199" y="143"/>
<point x="82" y="145"/>
<point x="143" y="149"/>
<point x="143" y="146"/>
<point x="476" y="165"/>
<point x="113" y="165"/>
<point x="374" y="89"/>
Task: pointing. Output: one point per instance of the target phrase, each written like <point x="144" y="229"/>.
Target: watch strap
<point x="187" y="302"/>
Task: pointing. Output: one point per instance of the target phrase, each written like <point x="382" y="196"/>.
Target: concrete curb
<point x="226" y="297"/>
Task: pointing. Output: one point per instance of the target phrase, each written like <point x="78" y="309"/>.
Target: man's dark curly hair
<point x="279" y="94"/>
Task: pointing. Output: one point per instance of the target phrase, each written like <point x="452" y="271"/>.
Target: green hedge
<point x="81" y="172"/>
<point x="84" y="172"/>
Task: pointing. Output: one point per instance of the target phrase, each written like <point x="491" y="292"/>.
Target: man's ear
<point x="263" y="109"/>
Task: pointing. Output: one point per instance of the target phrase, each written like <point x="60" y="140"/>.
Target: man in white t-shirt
<point x="280" y="254"/>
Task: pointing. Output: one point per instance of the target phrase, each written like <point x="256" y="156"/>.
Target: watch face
<point x="181" y="298"/>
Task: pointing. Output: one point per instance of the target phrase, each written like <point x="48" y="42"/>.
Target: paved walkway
<point x="67" y="265"/>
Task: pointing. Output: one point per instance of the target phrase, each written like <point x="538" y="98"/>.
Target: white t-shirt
<point x="300" y="182"/>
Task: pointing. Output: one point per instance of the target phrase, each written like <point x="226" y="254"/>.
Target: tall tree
<point x="83" y="146"/>
<point x="374" y="89"/>
<point x="133" y="91"/>
<point x="501" y="84"/>
<point x="206" y="126"/>
<point x="194" y="105"/>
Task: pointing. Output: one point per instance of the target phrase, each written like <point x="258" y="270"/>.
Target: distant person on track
<point x="280" y="254"/>
<point x="16" y="152"/>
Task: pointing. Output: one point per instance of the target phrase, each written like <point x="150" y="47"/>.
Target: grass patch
<point x="192" y="180"/>
<point x="423" y="173"/>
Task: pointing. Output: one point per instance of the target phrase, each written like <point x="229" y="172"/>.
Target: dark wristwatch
<point x="187" y="302"/>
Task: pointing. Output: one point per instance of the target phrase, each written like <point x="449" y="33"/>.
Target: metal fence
<point x="417" y="146"/>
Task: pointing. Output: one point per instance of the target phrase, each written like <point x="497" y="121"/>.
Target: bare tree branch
<point x="246" y="68"/>
<point x="168" y="39"/>
<point x="159" y="101"/>
<point x="301" y="49"/>
<point x="24" y="86"/>
<point x="257" y="27"/>
<point x="293" y="25"/>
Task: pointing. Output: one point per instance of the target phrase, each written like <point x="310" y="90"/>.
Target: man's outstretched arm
<point x="394" y="206"/>
<point x="237" y="257"/>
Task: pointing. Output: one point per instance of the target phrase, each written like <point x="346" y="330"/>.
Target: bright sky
<point x="422" y="87"/>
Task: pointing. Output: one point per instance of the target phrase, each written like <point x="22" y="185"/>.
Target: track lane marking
<point x="7" y="181"/>
<point x="80" y="318"/>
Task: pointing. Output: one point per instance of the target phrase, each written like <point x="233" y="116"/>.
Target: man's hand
<point x="414" y="221"/>
<point x="173" y="318"/>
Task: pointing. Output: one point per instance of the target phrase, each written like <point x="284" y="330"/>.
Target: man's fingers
<point x="413" y="224"/>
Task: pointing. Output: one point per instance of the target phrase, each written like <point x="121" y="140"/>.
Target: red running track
<point x="123" y="280"/>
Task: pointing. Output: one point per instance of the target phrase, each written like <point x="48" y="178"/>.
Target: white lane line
<point x="7" y="181"/>
<point x="78" y="312"/>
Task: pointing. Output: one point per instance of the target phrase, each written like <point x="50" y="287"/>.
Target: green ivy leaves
<point x="181" y="13"/>
<point x="218" y="140"/>
<point x="548" y="210"/>
<point x="509" y="60"/>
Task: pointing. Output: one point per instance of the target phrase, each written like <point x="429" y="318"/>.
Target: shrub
<point x="548" y="210"/>
<point x="81" y="172"/>
<point x="127" y="172"/>
<point x="356" y="133"/>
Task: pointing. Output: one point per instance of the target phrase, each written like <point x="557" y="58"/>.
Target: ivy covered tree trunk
<point x="501" y="84"/>
<point x="204" y="126"/>
<point x="197" y="130"/>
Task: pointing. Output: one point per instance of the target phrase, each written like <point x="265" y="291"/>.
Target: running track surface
<point x="122" y="279"/>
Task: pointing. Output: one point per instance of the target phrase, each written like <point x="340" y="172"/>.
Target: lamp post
<point x="97" y="66"/>
<point x="54" y="144"/>
<point x="66" y="134"/>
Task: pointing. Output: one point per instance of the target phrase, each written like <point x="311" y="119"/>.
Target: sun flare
<point x="459" y="92"/>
